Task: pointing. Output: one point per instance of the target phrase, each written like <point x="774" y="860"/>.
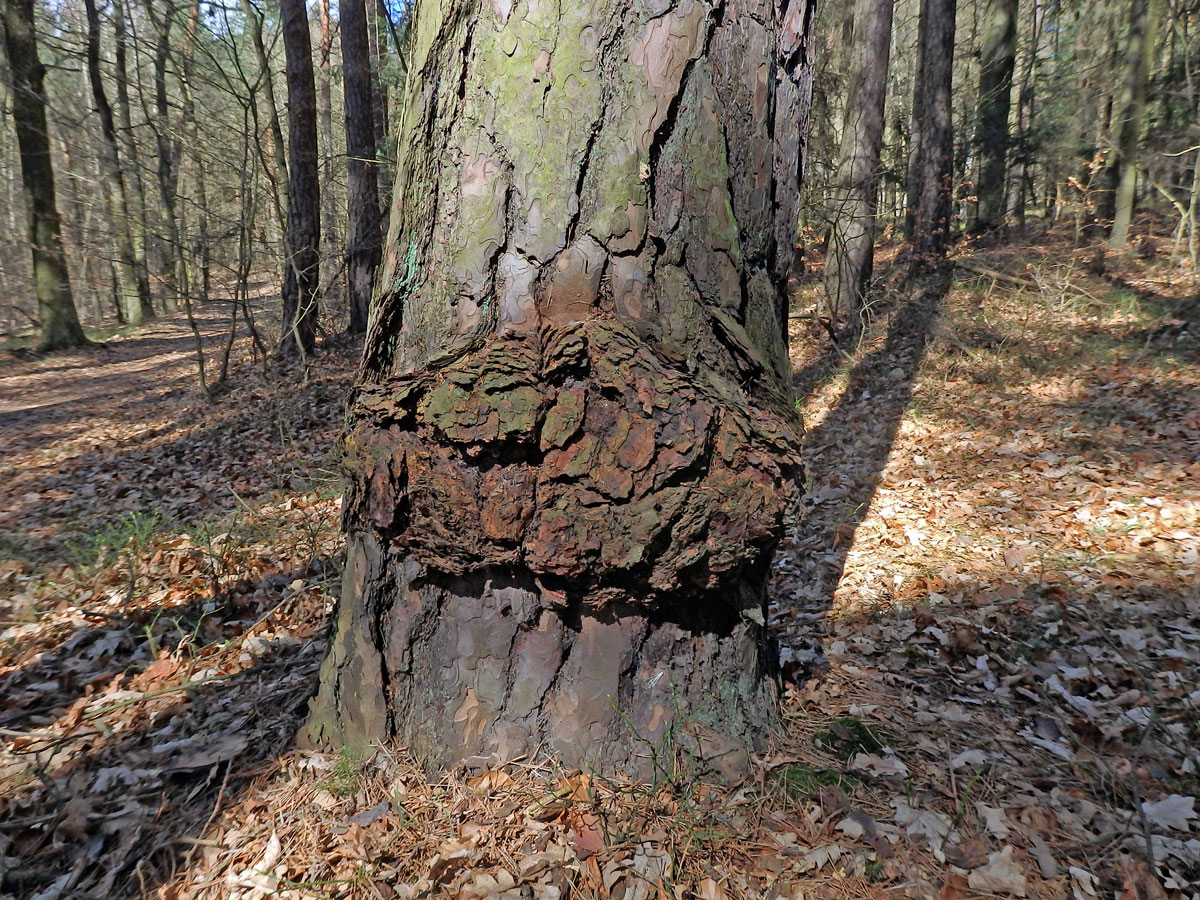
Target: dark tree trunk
<point x="1130" y="115"/>
<point x="572" y="449"/>
<point x="364" y="229"/>
<point x="134" y="183"/>
<point x="302" y="271"/>
<point x="135" y="305"/>
<point x="852" y="229"/>
<point x="931" y="155"/>
<point x="325" y="105"/>
<point x="59" y="321"/>
<point x="997" y="56"/>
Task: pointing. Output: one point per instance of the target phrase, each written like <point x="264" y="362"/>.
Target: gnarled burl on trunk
<point x="572" y="448"/>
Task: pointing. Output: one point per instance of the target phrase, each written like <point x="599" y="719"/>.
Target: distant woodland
<point x="185" y="141"/>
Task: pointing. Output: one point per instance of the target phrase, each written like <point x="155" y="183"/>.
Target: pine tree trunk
<point x="852" y="230"/>
<point x="572" y="449"/>
<point x="931" y="156"/>
<point x="997" y="55"/>
<point x="134" y="304"/>
<point x="302" y="270"/>
<point x="1131" y="115"/>
<point x="364" y="227"/>
<point x="59" y="321"/>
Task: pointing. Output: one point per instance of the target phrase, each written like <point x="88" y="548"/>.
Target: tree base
<point x="473" y="670"/>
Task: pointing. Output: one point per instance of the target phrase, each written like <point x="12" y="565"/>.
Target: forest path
<point x="165" y="549"/>
<point x="131" y="372"/>
<point x="93" y="436"/>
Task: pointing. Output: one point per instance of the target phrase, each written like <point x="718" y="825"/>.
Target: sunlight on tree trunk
<point x="573" y="447"/>
<point x="1130" y="119"/>
<point x="58" y="319"/>
<point x="852" y="231"/>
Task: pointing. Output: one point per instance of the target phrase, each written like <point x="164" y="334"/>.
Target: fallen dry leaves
<point x="990" y="623"/>
<point x="164" y="566"/>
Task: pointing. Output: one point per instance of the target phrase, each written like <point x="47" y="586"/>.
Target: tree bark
<point x="1131" y="115"/>
<point x="377" y="28"/>
<point x="852" y="229"/>
<point x="135" y="185"/>
<point x="134" y="303"/>
<point x="931" y="156"/>
<point x="997" y="55"/>
<point x="169" y="148"/>
<point x="325" y="107"/>
<point x="58" y="319"/>
<point x="1026" y="95"/>
<point x="572" y="449"/>
<point x="302" y="271"/>
<point x="364" y="228"/>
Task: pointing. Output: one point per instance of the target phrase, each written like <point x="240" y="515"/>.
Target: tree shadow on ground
<point x="1026" y="681"/>
<point x="864" y="423"/>
<point x="109" y="783"/>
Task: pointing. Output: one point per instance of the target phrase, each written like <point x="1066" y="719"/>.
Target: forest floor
<point x="990" y="624"/>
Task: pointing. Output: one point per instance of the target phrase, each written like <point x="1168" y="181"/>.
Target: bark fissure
<point x="379" y="636"/>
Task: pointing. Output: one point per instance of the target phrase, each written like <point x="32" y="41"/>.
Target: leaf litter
<point x="989" y="620"/>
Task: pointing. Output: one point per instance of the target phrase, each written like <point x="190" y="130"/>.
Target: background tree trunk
<point x="573" y="448"/>
<point x="380" y="104"/>
<point x="169" y="148"/>
<point x="59" y="322"/>
<point x="302" y="272"/>
<point x="1130" y="114"/>
<point x="1019" y="167"/>
<point x="279" y="178"/>
<point x="997" y="55"/>
<point x="931" y="156"/>
<point x="364" y="226"/>
<point x="134" y="184"/>
<point x="325" y="106"/>
<point x="134" y="304"/>
<point x="852" y="230"/>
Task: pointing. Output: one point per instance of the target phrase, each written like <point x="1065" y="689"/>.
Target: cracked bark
<point x="572" y="451"/>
